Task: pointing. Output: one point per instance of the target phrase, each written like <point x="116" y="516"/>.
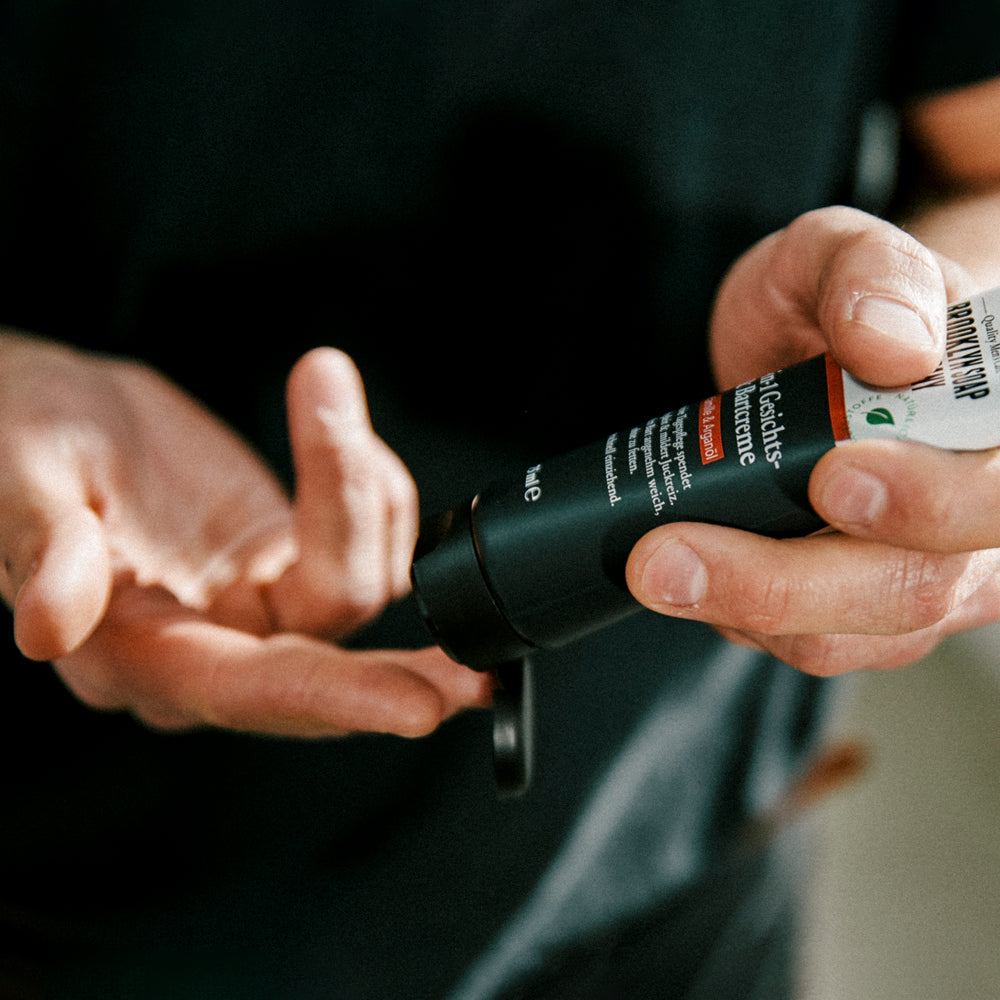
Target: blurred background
<point x="905" y="898"/>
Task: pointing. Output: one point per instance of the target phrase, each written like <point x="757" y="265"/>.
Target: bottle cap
<point x="453" y="594"/>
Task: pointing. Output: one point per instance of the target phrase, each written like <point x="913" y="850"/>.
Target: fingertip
<point x="326" y="381"/>
<point x="463" y="687"/>
<point x="847" y="493"/>
<point x="669" y="575"/>
<point x="427" y="707"/>
<point x="438" y="688"/>
<point x="909" y="495"/>
<point x="420" y="713"/>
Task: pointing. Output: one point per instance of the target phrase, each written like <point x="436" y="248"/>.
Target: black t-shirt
<point x="513" y="216"/>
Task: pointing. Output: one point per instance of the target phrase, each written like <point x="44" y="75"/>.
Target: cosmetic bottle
<point x="538" y="559"/>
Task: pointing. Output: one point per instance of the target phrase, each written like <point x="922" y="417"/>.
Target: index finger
<point x="822" y="584"/>
<point x="911" y="495"/>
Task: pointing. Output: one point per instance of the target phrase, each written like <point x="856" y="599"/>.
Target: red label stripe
<point x="709" y="430"/>
<point x="835" y="395"/>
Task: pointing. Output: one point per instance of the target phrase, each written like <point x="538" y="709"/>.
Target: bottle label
<point x="957" y="406"/>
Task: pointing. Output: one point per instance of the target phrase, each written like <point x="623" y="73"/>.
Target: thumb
<point x="57" y="574"/>
<point x="834" y="279"/>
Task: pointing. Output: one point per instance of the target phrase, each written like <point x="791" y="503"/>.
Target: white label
<point x="958" y="405"/>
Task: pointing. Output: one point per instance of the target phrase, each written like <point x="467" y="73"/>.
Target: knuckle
<point x="936" y="506"/>
<point x="925" y="588"/>
<point x="401" y="490"/>
<point x="347" y="468"/>
<point x="904" y="254"/>
<point x="251" y="698"/>
<point x="764" y="605"/>
<point x="294" y="697"/>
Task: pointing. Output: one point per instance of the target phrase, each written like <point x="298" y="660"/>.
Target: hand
<point x="913" y="558"/>
<point x="153" y="558"/>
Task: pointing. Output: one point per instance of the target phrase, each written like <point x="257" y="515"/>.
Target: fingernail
<point x="893" y="319"/>
<point x="854" y="496"/>
<point x="675" y="575"/>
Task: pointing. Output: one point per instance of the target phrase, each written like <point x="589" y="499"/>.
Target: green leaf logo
<point x="880" y="415"/>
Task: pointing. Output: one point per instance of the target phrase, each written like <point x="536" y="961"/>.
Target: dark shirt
<point x="514" y="217"/>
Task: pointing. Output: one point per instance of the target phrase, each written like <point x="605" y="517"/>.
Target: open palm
<point x="157" y="562"/>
